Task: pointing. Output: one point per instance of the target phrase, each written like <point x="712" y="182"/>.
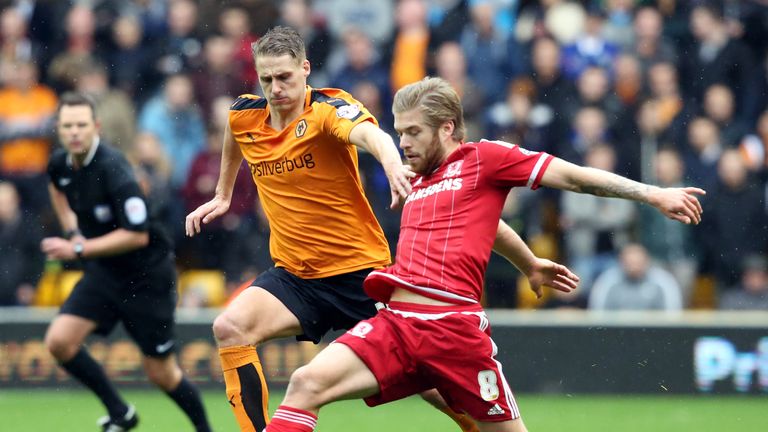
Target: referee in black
<point x="129" y="274"/>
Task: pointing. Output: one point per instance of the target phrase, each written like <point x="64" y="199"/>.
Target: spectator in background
<point x="618" y="15"/>
<point x="552" y="88"/>
<point x="754" y="148"/>
<point x="636" y="284"/>
<point x="410" y="45"/>
<point x="736" y="219"/>
<point x="751" y="293"/>
<point x="235" y="24"/>
<point x="312" y="28"/>
<point x="130" y="60"/>
<point x="485" y="47"/>
<point x="78" y="45"/>
<point x="719" y="107"/>
<point x="520" y="119"/>
<point x="716" y="58"/>
<point x="362" y="63"/>
<point x="15" y="44"/>
<point x="26" y="121"/>
<point x="702" y="153"/>
<point x="670" y="245"/>
<point x="590" y="49"/>
<point x="451" y="65"/>
<point x="670" y="112"/>
<point x="21" y="262"/>
<point x="153" y="171"/>
<point x="588" y="129"/>
<point x="181" y="48"/>
<point x="200" y="185"/>
<point x="649" y="44"/>
<point x="174" y="118"/>
<point x="595" y="228"/>
<point x="628" y="83"/>
<point x="218" y="76"/>
<point x="116" y="110"/>
<point x="593" y="89"/>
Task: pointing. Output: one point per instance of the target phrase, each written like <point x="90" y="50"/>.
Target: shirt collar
<point x="91" y="153"/>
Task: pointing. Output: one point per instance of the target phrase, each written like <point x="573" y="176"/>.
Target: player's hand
<point x="399" y="176"/>
<point x="57" y="248"/>
<point x="680" y="204"/>
<point x="205" y="214"/>
<point x="544" y="272"/>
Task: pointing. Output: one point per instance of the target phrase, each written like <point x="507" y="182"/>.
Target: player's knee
<point x="60" y="347"/>
<point x="227" y="331"/>
<point x="166" y="377"/>
<point x="305" y="384"/>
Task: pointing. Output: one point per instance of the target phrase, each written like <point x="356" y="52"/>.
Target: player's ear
<point x="306" y="67"/>
<point x="448" y="128"/>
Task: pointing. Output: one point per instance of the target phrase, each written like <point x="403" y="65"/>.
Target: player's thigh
<point x="69" y="330"/>
<point x="336" y="373"/>
<point x="258" y="316"/>
<point x="152" y="328"/>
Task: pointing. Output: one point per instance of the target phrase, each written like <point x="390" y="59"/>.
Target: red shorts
<point x="411" y="348"/>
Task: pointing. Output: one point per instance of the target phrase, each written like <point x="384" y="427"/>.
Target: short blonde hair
<point x="438" y="102"/>
<point x="278" y="41"/>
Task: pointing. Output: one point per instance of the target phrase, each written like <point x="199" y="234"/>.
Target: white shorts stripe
<point x="507" y="390"/>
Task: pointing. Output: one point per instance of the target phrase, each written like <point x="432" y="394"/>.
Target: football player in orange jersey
<point x="301" y="146"/>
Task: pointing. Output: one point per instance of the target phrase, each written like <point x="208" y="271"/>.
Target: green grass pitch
<point x="77" y="410"/>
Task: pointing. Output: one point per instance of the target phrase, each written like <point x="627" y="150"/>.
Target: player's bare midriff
<point x="403" y="295"/>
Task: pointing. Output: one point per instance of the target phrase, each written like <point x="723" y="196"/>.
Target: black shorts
<point x="336" y="302"/>
<point x="145" y="303"/>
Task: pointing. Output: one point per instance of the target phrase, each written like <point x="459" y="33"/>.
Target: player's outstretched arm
<point x="231" y="158"/>
<point x="680" y="204"/>
<point x="380" y="145"/>
<point x="539" y="271"/>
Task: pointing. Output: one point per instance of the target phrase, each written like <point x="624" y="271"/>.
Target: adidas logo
<point x="495" y="410"/>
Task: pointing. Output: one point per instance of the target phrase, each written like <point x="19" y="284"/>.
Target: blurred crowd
<point x="667" y="92"/>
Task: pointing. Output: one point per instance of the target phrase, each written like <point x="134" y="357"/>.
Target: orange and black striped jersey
<point x="307" y="178"/>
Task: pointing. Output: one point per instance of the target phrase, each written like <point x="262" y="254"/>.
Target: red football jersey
<point x="450" y="219"/>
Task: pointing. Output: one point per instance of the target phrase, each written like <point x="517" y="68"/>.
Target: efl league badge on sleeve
<point x="348" y="111"/>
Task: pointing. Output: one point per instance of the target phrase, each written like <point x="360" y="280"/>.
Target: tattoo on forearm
<point x="617" y="187"/>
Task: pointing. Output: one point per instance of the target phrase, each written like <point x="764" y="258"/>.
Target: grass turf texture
<point x="77" y="410"/>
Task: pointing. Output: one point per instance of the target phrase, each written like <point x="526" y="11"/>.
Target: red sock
<point x="287" y="419"/>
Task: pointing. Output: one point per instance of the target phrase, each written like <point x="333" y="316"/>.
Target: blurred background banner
<point x="541" y="352"/>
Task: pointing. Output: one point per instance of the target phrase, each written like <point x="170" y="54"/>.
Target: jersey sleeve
<point x="128" y="201"/>
<point x="512" y="165"/>
<point x="54" y="168"/>
<point x="341" y="113"/>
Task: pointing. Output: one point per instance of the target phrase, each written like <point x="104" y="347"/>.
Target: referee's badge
<point x="301" y="128"/>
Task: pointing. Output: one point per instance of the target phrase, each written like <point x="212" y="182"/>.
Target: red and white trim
<point x="293" y="415"/>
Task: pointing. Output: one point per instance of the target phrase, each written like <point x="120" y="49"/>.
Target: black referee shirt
<point x="105" y="195"/>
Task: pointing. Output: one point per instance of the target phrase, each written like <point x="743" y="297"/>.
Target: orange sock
<point x="247" y="391"/>
<point x="464" y="421"/>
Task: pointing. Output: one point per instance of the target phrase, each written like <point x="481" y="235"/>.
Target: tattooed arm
<point x="679" y="204"/>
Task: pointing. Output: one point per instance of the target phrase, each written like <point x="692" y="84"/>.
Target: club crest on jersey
<point x="301" y="128"/>
<point x="454" y="169"/>
<point x="361" y="329"/>
<point x="347" y="111"/>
